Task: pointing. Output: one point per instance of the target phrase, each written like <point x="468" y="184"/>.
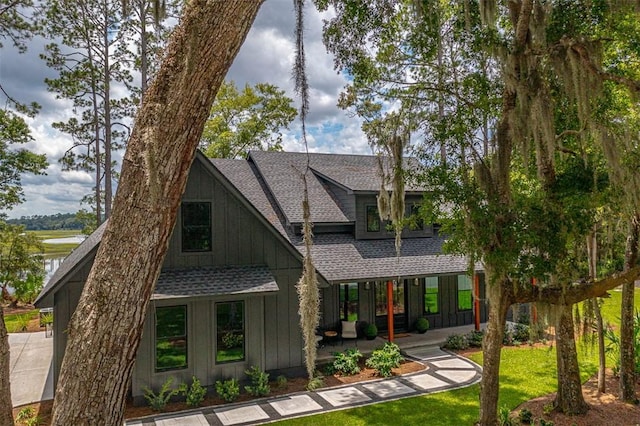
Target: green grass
<point x="461" y="406"/>
<point x="13" y="321"/>
<point x="57" y="250"/>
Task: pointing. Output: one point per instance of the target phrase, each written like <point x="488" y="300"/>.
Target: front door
<point x="399" y="306"/>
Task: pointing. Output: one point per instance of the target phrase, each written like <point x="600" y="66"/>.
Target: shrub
<point x="346" y="363"/>
<point x="544" y="422"/>
<point x="281" y="381"/>
<point x="521" y="332"/>
<point x="421" y="325"/>
<point x="315" y="383"/>
<point x="613" y="345"/>
<point x="525" y="416"/>
<point x="28" y="417"/>
<point x="371" y="331"/>
<point x="474" y="338"/>
<point x="228" y="390"/>
<point x="259" y="382"/>
<point x="384" y="359"/>
<point x="195" y="394"/>
<point x="456" y="342"/>
<point x="158" y="401"/>
<point x="503" y="416"/>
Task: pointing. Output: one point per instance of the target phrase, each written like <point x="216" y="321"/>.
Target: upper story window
<point x="415" y="221"/>
<point x="373" y="219"/>
<point x="196" y="226"/>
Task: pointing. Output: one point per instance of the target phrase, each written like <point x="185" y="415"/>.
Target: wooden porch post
<point x="390" y="309"/>
<point x="476" y="300"/>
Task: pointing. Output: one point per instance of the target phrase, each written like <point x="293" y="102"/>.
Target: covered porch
<point x="433" y="338"/>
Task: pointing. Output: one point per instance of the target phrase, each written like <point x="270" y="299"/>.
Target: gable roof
<point x="270" y="183"/>
<point x="337" y="257"/>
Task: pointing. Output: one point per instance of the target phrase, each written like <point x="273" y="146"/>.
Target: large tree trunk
<point x="569" y="399"/>
<point x="104" y="332"/>
<point x="491" y="348"/>
<point x="6" y="414"/>
<point x="627" y="352"/>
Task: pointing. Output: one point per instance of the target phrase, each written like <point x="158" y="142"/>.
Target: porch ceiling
<point x="212" y="281"/>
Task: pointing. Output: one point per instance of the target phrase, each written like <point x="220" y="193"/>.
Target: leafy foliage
<point x="259" y="382"/>
<point x="229" y="390"/>
<point x="346" y="362"/>
<point x="456" y="342"/>
<point x="158" y="401"/>
<point x="613" y="345"/>
<point x="385" y="359"/>
<point x="240" y="121"/>
<point x="20" y="268"/>
<point x="195" y="393"/>
<point x="15" y="162"/>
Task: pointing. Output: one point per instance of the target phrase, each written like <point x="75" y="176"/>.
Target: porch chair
<point x="349" y="331"/>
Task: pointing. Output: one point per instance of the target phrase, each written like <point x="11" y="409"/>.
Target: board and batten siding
<point x="273" y="337"/>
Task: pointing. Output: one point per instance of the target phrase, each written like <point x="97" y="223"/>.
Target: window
<point x="196" y="226"/>
<point x="464" y="293"/>
<point x="229" y="332"/>
<point x="431" y="301"/>
<point x="171" y="338"/>
<point x="373" y="219"/>
<point x="349" y="302"/>
<point x="415" y="220"/>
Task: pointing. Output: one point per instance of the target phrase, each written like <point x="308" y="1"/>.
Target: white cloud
<point x="266" y="56"/>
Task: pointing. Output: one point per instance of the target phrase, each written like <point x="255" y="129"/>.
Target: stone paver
<point x="344" y="396"/>
<point x="458" y="376"/>
<point x="244" y="414"/>
<point x="190" y="420"/>
<point x="425" y="381"/>
<point x="452" y="363"/>
<point x="388" y="389"/>
<point x="296" y="404"/>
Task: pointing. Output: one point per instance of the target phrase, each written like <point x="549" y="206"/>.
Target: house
<point x="226" y="297"/>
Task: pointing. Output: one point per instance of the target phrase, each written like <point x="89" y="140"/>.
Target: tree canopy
<point x="247" y="119"/>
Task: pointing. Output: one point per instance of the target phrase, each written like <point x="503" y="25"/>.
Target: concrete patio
<point x="31" y="370"/>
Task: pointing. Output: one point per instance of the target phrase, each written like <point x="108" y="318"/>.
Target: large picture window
<point x="196" y="226"/>
<point x="229" y="332"/>
<point x="465" y="296"/>
<point x="373" y="219"/>
<point x="171" y="338"/>
<point x="349" y="302"/>
<point x="431" y="296"/>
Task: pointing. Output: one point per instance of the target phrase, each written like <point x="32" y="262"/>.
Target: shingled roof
<point x="212" y="281"/>
<point x="337" y="257"/>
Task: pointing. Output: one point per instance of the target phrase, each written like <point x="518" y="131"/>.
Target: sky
<point x="267" y="55"/>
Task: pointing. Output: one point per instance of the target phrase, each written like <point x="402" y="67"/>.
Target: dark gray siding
<point x="346" y="200"/>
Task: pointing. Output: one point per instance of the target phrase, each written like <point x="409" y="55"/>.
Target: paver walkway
<point x="444" y="371"/>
